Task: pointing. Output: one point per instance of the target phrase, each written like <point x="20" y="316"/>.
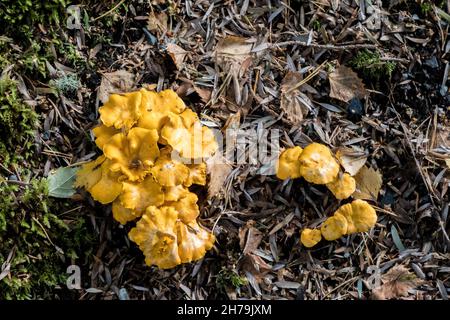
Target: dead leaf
<point x="177" y="54"/>
<point x="249" y="237"/>
<point x="119" y="81"/>
<point x="294" y="103"/>
<point x="203" y="93"/>
<point x="232" y="52"/>
<point x="157" y="21"/>
<point x="447" y="162"/>
<point x="368" y="183"/>
<point x="345" y="84"/>
<point x="396" y="284"/>
<point x="351" y="159"/>
<point x="218" y="170"/>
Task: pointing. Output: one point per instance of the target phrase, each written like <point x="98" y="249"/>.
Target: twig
<point x="109" y="11"/>
<point x="323" y="46"/>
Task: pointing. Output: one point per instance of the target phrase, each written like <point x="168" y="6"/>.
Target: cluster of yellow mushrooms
<point x="146" y="139"/>
<point x="316" y="164"/>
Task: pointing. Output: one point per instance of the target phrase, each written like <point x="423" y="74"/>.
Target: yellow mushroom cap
<point x="103" y="134"/>
<point x="169" y="172"/>
<point x="156" y="235"/>
<point x="133" y="154"/>
<point x="317" y="164"/>
<point x="194" y="142"/>
<point x="122" y="110"/>
<point x="108" y="188"/>
<point x="138" y="196"/>
<point x="193" y="241"/>
<point x="288" y="165"/>
<point x="186" y="207"/>
<point x="174" y="193"/>
<point x="310" y="237"/>
<point x="122" y="214"/>
<point x="360" y="216"/>
<point x="334" y="227"/>
<point x="197" y="174"/>
<point x="343" y="186"/>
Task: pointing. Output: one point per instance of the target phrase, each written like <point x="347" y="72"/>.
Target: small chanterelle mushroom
<point x="150" y="183"/>
<point x="317" y="164"/>
<point x="310" y="237"/>
<point x="357" y="216"/>
<point x="343" y="186"/>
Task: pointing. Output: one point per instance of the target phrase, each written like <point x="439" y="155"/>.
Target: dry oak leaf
<point x="396" y="284"/>
<point x="345" y="84"/>
<point x="218" y="170"/>
<point x="231" y="52"/>
<point x="368" y="184"/>
<point x="177" y="54"/>
<point x="249" y="237"/>
<point x="115" y="82"/>
<point x="293" y="102"/>
<point x="351" y="159"/>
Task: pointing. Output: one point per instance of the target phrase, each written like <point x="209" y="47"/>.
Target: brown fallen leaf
<point x="218" y="170"/>
<point x="368" y="184"/>
<point x="157" y="21"/>
<point x="203" y="93"/>
<point x="249" y="237"/>
<point x="396" y="284"/>
<point x="293" y="102"/>
<point x="345" y="84"/>
<point x="231" y="53"/>
<point x="119" y="81"/>
<point x="177" y="54"/>
<point x="351" y="159"/>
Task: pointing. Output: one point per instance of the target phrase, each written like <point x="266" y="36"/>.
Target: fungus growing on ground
<point x="288" y="165"/>
<point x="343" y="186"/>
<point x="317" y="164"/>
<point x="143" y="180"/>
<point x="310" y="237"/>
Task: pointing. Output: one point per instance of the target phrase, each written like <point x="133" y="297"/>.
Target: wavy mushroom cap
<point x="197" y="174"/>
<point x="186" y="207"/>
<point x="193" y="142"/>
<point x="317" y="164"/>
<point x="156" y="235"/>
<point x="193" y="241"/>
<point x="343" y="186"/>
<point x="133" y="154"/>
<point x="175" y="193"/>
<point x="334" y="227"/>
<point x="89" y="174"/>
<point x="288" y="165"/>
<point x="122" y="214"/>
<point x="169" y="172"/>
<point x="103" y="134"/>
<point x="122" y="110"/>
<point x="310" y="237"/>
<point x="360" y="216"/>
<point x="138" y="196"/>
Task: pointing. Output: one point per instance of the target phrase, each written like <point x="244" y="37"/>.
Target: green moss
<point x="21" y="16"/>
<point x="66" y="84"/>
<point x="371" y="64"/>
<point x="18" y="123"/>
<point x="229" y="278"/>
<point x="36" y="243"/>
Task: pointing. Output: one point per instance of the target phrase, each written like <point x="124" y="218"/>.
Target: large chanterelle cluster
<point x="153" y="150"/>
<point x="316" y="164"/>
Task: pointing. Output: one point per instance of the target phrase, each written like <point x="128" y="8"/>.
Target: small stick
<point x="323" y="46"/>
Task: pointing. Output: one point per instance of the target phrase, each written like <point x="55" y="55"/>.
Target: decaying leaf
<point x="293" y="102"/>
<point x="157" y="21"/>
<point x="232" y="52"/>
<point x="351" y="159"/>
<point x="115" y="82"/>
<point x="60" y="182"/>
<point x="447" y="162"/>
<point x="249" y="237"/>
<point x="396" y="284"/>
<point x="218" y="170"/>
<point x="368" y="183"/>
<point x="345" y="84"/>
<point x="177" y="54"/>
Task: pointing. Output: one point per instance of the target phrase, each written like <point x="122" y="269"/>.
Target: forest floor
<point x="368" y="78"/>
